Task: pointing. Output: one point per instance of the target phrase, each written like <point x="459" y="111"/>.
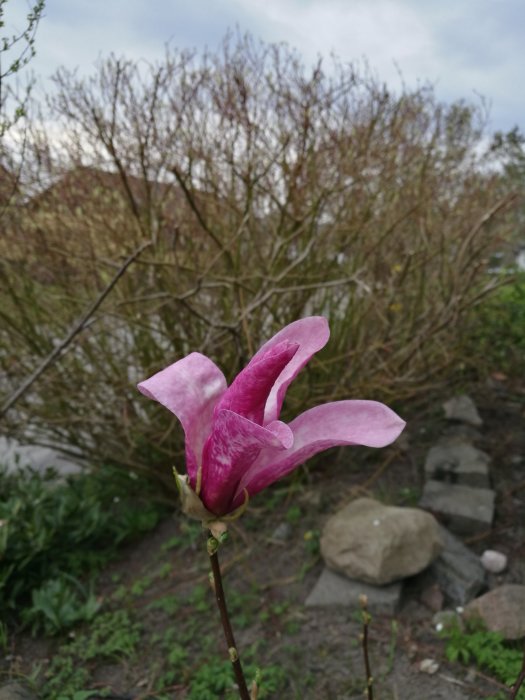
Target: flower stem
<point x="365" y="615"/>
<point x="226" y="625"/>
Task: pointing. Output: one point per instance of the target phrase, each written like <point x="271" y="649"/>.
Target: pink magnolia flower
<point x="235" y="443"/>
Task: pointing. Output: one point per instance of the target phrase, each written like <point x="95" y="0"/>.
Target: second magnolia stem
<point x="226" y="625"/>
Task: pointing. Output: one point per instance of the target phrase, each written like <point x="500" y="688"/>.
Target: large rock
<point x="334" y="589"/>
<point x="466" y="510"/>
<point x="379" y="544"/>
<point x="458" y="463"/>
<point x="463" y="409"/>
<point x="458" y="571"/>
<point x="501" y="610"/>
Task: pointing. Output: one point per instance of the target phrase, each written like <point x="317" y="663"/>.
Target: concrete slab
<point x="334" y="589"/>
<point x="463" y="409"/>
<point x="465" y="510"/>
<point x="458" y="571"/>
<point x="14" y="456"/>
<point x="458" y="463"/>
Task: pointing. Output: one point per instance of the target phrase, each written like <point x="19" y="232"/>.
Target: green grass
<point x="112" y="636"/>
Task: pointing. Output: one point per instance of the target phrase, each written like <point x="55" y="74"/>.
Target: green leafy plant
<point x="59" y="604"/>
<point x="497" y="334"/>
<point x="54" y="530"/>
<point x="486" y="649"/>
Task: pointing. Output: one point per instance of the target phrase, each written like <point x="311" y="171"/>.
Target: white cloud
<point x="464" y="47"/>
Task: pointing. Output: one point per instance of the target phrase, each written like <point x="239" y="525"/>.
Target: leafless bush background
<point x="269" y="192"/>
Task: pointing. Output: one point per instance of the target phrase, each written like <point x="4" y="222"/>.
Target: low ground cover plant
<point x="55" y="535"/>
<point x="474" y="644"/>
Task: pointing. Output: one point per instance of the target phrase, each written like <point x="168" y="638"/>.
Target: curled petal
<point x="310" y="334"/>
<point x="189" y="388"/>
<point x="339" y="423"/>
<point x="230" y="451"/>
<point x="249" y="391"/>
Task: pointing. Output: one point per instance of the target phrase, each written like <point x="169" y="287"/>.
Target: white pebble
<point x="493" y="561"/>
<point x="428" y="666"/>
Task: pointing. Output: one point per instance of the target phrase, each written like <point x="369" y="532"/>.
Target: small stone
<point x="379" y="544"/>
<point x="465" y="510"/>
<point x="333" y="589"/>
<point x="463" y="409"/>
<point x="471" y="676"/>
<point x="501" y="610"/>
<point x="429" y="666"/>
<point x="493" y="561"/>
<point x="282" y="533"/>
<point x="458" y="463"/>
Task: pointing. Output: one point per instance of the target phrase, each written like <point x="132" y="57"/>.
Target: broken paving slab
<point x="458" y="463"/>
<point x="334" y="589"/>
<point x="463" y="409"/>
<point x="458" y="571"/>
<point x="466" y="510"/>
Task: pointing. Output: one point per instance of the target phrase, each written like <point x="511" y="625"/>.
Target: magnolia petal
<point x="311" y="334"/>
<point x="189" y="388"/>
<point x="249" y="391"/>
<point x="230" y="451"/>
<point x="339" y="423"/>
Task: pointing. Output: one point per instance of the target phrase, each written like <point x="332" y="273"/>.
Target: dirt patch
<point x="312" y="653"/>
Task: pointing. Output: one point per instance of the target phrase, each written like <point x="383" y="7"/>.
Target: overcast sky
<point x="467" y="48"/>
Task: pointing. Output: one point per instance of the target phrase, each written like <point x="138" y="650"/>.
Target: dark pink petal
<point x="311" y="334"/>
<point x="230" y="451"/>
<point x="339" y="423"/>
<point x="249" y="391"/>
<point x="189" y="388"/>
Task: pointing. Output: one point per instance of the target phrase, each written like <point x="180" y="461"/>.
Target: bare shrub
<point x="270" y="191"/>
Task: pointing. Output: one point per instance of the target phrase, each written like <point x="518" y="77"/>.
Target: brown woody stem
<point x="365" y="615"/>
<point x="228" y="632"/>
<point x="520" y="679"/>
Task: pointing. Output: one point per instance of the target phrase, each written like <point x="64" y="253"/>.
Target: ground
<point x="162" y="636"/>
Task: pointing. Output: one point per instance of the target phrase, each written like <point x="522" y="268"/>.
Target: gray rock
<point x="333" y="589"/>
<point x="457" y="571"/>
<point x="15" y="691"/>
<point x="458" y="463"/>
<point x="465" y="510"/>
<point x="379" y="544"/>
<point x="463" y="409"/>
<point x="501" y="610"/>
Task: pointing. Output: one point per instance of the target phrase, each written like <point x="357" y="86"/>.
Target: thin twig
<point x="515" y="689"/>
<point x="77" y="328"/>
<point x="225" y="620"/>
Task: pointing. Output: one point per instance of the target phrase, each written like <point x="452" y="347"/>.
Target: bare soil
<point x="319" y="649"/>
